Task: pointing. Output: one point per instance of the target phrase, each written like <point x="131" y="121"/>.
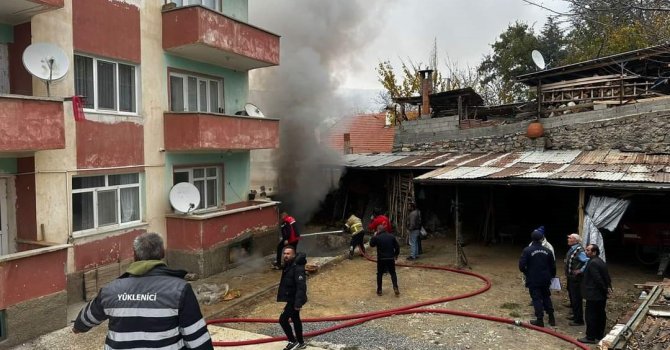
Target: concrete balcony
<point x="204" y="35"/>
<point x="211" y="242"/>
<point x="29" y="124"/>
<point x="215" y="132"/>
<point x="20" y="11"/>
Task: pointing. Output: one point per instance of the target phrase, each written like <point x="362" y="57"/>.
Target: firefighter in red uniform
<point x="379" y="219"/>
<point x="289" y="236"/>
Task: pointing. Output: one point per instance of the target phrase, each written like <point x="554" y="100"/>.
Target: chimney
<point x="426" y="90"/>
<point x="347" y="144"/>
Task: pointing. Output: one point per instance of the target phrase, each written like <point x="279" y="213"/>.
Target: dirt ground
<point x="349" y="287"/>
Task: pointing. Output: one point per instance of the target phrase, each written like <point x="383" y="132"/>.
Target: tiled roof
<point x="367" y="133"/>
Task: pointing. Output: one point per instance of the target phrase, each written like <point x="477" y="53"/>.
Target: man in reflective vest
<point x="355" y="226"/>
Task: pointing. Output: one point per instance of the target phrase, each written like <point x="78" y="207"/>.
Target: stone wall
<point x="641" y="127"/>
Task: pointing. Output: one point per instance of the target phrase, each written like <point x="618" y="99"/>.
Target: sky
<point x="405" y="29"/>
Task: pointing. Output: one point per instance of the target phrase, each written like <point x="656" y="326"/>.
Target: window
<point x="206" y="180"/>
<point x="210" y="4"/>
<point x="105" y="200"/>
<point x="190" y="93"/>
<point x="107" y="85"/>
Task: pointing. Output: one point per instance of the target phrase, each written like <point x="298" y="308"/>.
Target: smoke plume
<point x="319" y="41"/>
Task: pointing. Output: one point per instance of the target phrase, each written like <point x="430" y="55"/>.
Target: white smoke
<point x="320" y="41"/>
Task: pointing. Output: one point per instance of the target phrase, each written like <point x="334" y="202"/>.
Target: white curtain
<point x="602" y="212"/>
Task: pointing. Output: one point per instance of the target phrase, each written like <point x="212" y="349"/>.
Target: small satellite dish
<point x="46" y="61"/>
<point x="538" y="59"/>
<point x="184" y="197"/>
<point x="253" y="111"/>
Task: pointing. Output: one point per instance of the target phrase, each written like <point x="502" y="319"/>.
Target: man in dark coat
<point x="538" y="265"/>
<point x="293" y="291"/>
<point x="596" y="285"/>
<point x="388" y="250"/>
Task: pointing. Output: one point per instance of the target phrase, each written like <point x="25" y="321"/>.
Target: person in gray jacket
<point x="414" y="227"/>
<point x="148" y="307"/>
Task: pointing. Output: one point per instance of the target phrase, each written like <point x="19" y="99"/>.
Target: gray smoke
<point x="319" y="40"/>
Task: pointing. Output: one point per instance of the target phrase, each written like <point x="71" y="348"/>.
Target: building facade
<point x="160" y="85"/>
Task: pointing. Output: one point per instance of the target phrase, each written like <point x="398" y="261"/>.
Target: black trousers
<point x="386" y="265"/>
<point x="280" y="251"/>
<point x="291" y="313"/>
<point x="575" y="293"/>
<point x="357" y="241"/>
<point x="541" y="301"/>
<point x="596" y="317"/>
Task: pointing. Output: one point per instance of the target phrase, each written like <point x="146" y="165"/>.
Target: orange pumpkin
<point x="535" y="130"/>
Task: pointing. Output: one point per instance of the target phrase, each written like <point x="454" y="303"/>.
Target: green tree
<point x="511" y="57"/>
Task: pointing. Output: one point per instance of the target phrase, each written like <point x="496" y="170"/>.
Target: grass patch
<point x="510" y="306"/>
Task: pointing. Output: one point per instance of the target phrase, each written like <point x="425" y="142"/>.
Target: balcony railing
<point x="201" y="34"/>
<point x="199" y="131"/>
<point x="29" y="124"/>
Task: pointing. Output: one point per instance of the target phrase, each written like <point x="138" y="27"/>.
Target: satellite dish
<point x="184" y="197"/>
<point x="538" y="59"/>
<point x="46" y="61"/>
<point x="253" y="111"/>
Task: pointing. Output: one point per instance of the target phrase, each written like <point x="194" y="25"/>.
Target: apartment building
<point x="161" y="84"/>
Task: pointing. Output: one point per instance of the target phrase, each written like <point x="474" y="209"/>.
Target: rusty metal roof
<point x="551" y="167"/>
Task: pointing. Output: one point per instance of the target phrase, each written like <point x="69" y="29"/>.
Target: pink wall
<point x="107" y="28"/>
<point x="193" y="25"/>
<point x="32" y="277"/>
<point x="105" y="251"/>
<point x="194" y="235"/>
<point x="185" y="131"/>
<point x="20" y="81"/>
<point x="109" y="145"/>
<point x="31" y="125"/>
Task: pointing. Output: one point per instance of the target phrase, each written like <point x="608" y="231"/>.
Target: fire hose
<point x="356" y="319"/>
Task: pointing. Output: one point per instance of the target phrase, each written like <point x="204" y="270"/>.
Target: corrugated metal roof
<point x="600" y="165"/>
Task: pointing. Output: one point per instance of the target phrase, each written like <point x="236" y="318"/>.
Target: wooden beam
<point x="580" y="210"/>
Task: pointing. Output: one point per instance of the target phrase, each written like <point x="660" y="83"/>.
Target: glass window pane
<point x="211" y="172"/>
<point x="106" y="85"/>
<point x="88" y="182"/>
<point x="214" y="97"/>
<point x="83" y="79"/>
<point x="198" y="173"/>
<point x="107" y="208"/>
<point x="211" y="193"/>
<point x="130" y="204"/>
<point x="179" y="176"/>
<point x="200" y="185"/>
<point x="82" y="211"/>
<point x="127" y="88"/>
<point x="202" y="84"/>
<point x="192" y="94"/>
<point x="124" y="179"/>
<point x="176" y="94"/>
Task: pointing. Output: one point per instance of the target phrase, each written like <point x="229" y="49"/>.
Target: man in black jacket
<point x="388" y="250"/>
<point x="149" y="306"/>
<point x="293" y="291"/>
<point x="595" y="287"/>
<point x="538" y="265"/>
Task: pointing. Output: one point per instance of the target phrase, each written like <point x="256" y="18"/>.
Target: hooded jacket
<point x="293" y="283"/>
<point x="149" y="299"/>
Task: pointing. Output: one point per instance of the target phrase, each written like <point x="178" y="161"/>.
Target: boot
<point x="396" y="291"/>
<point x="552" y="320"/>
<point x="351" y="253"/>
<point x="539" y="322"/>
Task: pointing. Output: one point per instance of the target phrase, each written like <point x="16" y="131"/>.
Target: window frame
<point x="184" y="76"/>
<point x="117" y="99"/>
<point x="107" y="187"/>
<point x="218" y="4"/>
<point x="219" y="183"/>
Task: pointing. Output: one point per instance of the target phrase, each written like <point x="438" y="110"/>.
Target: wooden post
<point x="539" y="99"/>
<point x="461" y="261"/>
<point x="580" y="210"/>
<point x="460" y="109"/>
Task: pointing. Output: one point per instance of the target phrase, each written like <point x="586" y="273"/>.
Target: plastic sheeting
<point x="602" y="212"/>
